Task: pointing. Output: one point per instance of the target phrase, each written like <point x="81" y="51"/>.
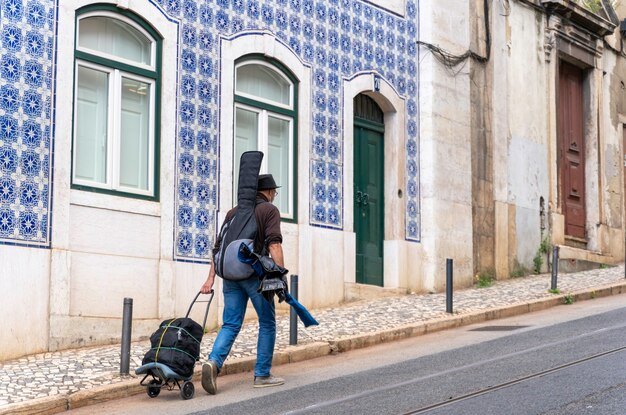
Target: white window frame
<point x="114" y="111"/>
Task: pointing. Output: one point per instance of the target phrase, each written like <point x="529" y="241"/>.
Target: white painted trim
<point x="263" y="42"/>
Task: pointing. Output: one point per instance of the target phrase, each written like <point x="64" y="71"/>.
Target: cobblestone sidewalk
<point x="70" y="371"/>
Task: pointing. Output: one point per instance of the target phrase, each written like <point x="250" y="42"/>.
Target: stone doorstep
<point x="61" y="403"/>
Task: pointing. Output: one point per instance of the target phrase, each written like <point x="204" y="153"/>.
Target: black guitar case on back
<point x="242" y="227"/>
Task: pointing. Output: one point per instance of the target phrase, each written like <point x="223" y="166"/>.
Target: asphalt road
<point x="566" y="360"/>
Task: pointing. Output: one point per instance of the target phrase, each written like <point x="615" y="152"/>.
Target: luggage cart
<point x="162" y="376"/>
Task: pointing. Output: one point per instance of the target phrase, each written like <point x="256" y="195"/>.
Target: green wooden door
<point x="369" y="203"/>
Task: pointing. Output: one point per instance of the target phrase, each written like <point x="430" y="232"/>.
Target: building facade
<point x="121" y="125"/>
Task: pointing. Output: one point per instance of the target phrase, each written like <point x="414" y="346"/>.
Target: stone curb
<point x="61" y="403"/>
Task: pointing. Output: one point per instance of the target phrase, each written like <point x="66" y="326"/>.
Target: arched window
<point x="116" y="103"/>
<point x="265" y="120"/>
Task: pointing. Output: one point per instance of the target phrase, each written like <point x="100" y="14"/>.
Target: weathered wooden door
<point x="368" y="194"/>
<point x="571" y="149"/>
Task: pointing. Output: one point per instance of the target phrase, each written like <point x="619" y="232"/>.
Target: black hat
<point x="266" y="182"/>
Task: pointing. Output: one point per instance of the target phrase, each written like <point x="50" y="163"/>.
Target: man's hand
<point x="276" y="252"/>
<point x="207" y="287"/>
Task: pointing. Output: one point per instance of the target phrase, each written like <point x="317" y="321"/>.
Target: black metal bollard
<point x="127" y="319"/>
<point x="555" y="267"/>
<point x="293" y="317"/>
<point x="449" y="284"/>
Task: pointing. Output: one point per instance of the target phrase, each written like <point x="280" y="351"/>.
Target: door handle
<point x="359" y="197"/>
<point x="366" y="199"/>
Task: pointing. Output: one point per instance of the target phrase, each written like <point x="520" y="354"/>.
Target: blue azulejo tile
<point x="205" y="92"/>
<point x="411" y="208"/>
<point x="35" y="44"/>
<point x="281" y="19"/>
<point x="295" y="5"/>
<point x="203" y="167"/>
<point x="30" y="163"/>
<point x="173" y="7"/>
<point x="184" y="242"/>
<point x="401" y="26"/>
<point x="188" y="86"/>
<point x="390" y="40"/>
<point x="189" y="60"/>
<point x="357" y="27"/>
<point x="320" y="78"/>
<point x="346" y="44"/>
<point x="368" y="52"/>
<point x="190" y="36"/>
<point x="319" y="121"/>
<point x="319" y="170"/>
<point x="333" y="195"/>
<point x="185" y="189"/>
<point x="203" y="193"/>
<point x="186" y="163"/>
<point x="333" y="39"/>
<point x="411" y="146"/>
<point x="307" y="7"/>
<point x="185" y="216"/>
<point x="333" y="126"/>
<point x="8" y="127"/>
<point x="239" y="6"/>
<point x="308" y="52"/>
<point x="10" y="68"/>
<point x="333" y="82"/>
<point x="319" y="144"/>
<point x="320" y="101"/>
<point x="202" y="245"/>
<point x="13" y="10"/>
<point x="411" y="10"/>
<point x="319" y="192"/>
<point x="411" y="30"/>
<point x="412" y="188"/>
<point x="206" y="66"/>
<point x="411" y="49"/>
<point x="320" y="213"/>
<point x="187" y="138"/>
<point x="379" y="36"/>
<point x="357" y="49"/>
<point x="411" y="107"/>
<point x="224" y="4"/>
<point x="204" y="116"/>
<point x="333" y="17"/>
<point x="412" y="229"/>
<point x="411" y="168"/>
<point x="206" y="16"/>
<point x="333" y="172"/>
<point x="28" y="224"/>
<point x="391" y="22"/>
<point x="295" y="25"/>
<point x="346" y="65"/>
<point x="379" y="56"/>
<point x="9" y="98"/>
<point x="333" y="105"/>
<point x="204" y="142"/>
<point x="401" y="45"/>
<point x="411" y="67"/>
<point x="368" y="13"/>
<point x="222" y="21"/>
<point x="29" y="194"/>
<point x="190" y="10"/>
<point x="346" y="22"/>
<point x="236" y="25"/>
<point x="202" y="219"/>
<point x="320" y="56"/>
<point x="187" y="112"/>
<point x="390" y="62"/>
<point x="412" y="128"/>
<point x="357" y="66"/>
<point x="320" y="34"/>
<point x="7" y="190"/>
<point x="320" y="12"/>
<point x="333" y="149"/>
<point x="401" y="85"/>
<point x="31" y="134"/>
<point x="333" y="61"/>
<point x="368" y="31"/>
<point x="333" y="216"/>
<point x="206" y="40"/>
<point x="253" y="9"/>
<point x="294" y="44"/>
<point x="7" y="222"/>
<point x="411" y="87"/>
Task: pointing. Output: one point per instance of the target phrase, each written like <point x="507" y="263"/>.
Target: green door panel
<point x="369" y="202"/>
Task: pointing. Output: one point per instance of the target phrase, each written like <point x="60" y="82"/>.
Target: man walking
<point x="236" y="294"/>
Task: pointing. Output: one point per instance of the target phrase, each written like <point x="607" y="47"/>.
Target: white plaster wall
<point x="24" y="280"/>
<point x="445" y="159"/>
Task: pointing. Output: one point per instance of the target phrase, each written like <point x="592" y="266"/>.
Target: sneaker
<point x="267" y="381"/>
<point x="209" y="377"/>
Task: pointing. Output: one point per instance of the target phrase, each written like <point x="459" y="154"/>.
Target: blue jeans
<point x="236" y="294"/>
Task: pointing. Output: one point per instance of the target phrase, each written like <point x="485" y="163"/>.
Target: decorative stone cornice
<point x="580" y="16"/>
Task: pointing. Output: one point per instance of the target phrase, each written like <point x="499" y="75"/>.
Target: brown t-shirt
<point x="268" y="225"/>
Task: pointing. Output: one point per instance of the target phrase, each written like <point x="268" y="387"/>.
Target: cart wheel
<point x="187" y="391"/>
<point x="154" y="388"/>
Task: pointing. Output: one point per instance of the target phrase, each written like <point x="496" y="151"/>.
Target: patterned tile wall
<point x="27" y="30"/>
<point x="338" y="38"/>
